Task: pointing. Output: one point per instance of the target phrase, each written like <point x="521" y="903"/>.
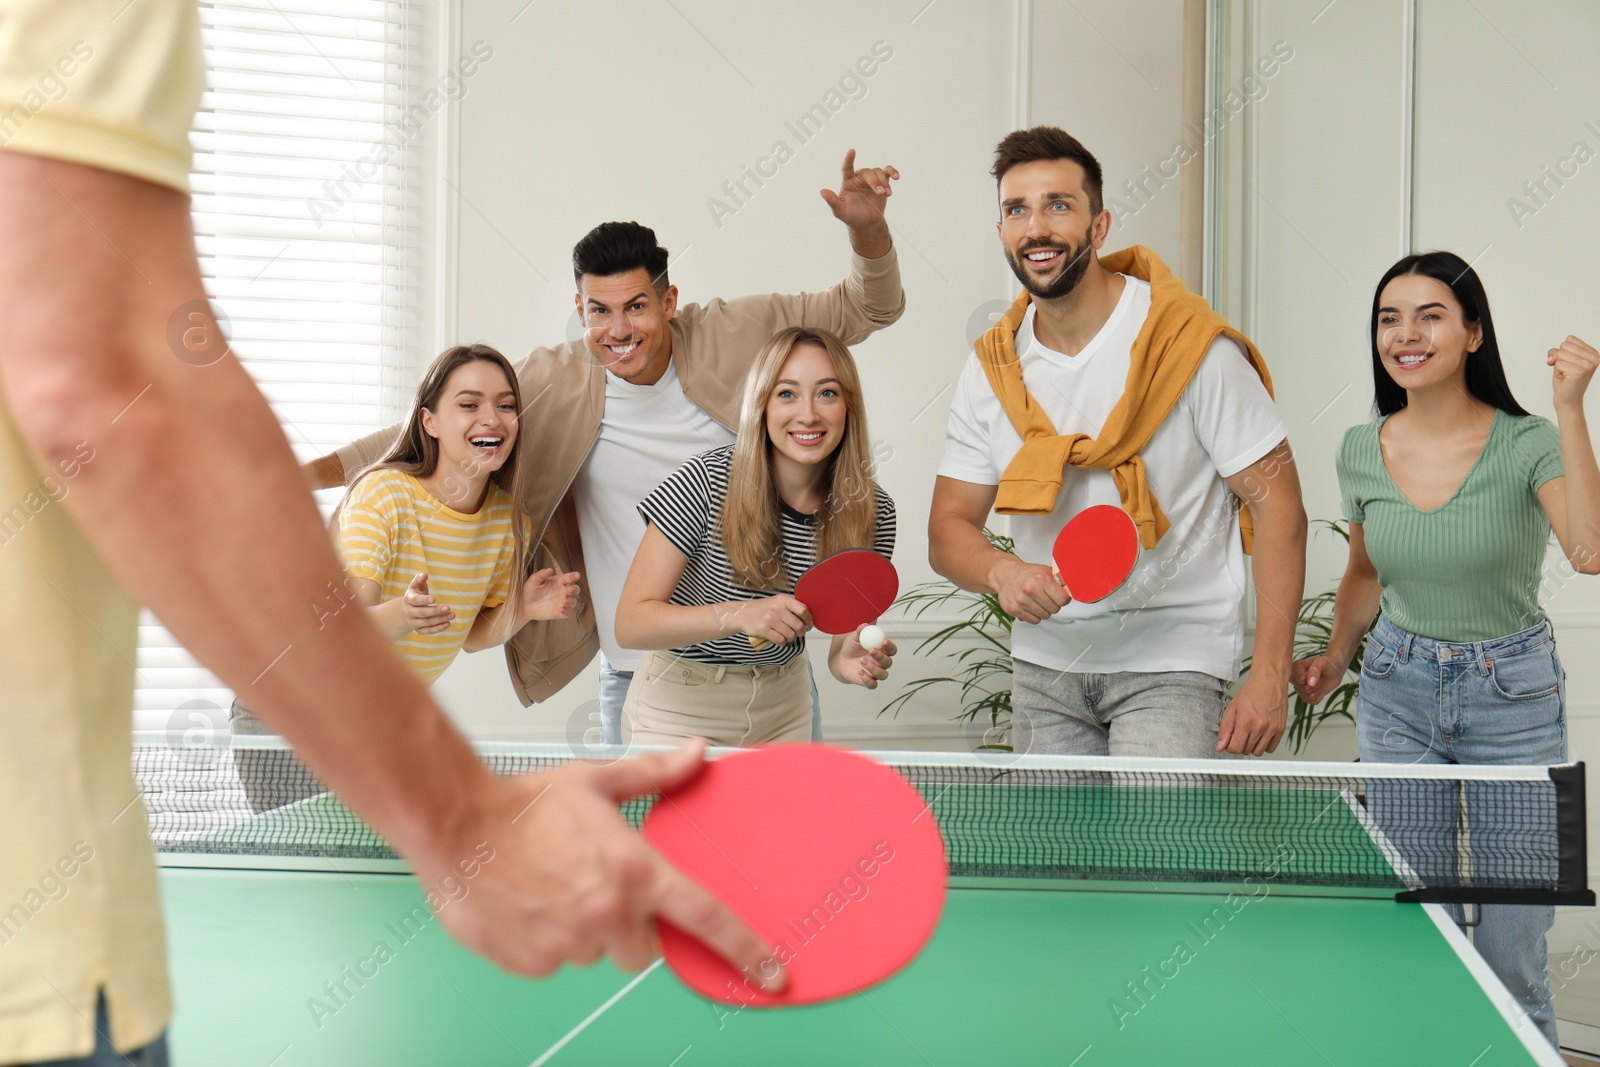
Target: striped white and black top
<point x="685" y="508"/>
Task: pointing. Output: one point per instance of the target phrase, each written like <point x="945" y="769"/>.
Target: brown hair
<point x="416" y="452"/>
<point x="1044" y="143"/>
<point x="751" y="523"/>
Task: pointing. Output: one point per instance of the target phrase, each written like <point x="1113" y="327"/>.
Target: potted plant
<point x="983" y="659"/>
<point x="1311" y="633"/>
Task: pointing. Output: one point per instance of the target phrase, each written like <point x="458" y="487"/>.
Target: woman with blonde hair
<point x="727" y="537"/>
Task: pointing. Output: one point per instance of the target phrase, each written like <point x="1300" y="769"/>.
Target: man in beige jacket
<point x="648" y="385"/>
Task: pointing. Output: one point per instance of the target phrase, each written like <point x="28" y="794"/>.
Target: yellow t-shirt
<point x="391" y="529"/>
<point x="102" y="82"/>
<point x="78" y="905"/>
<point x="112" y="85"/>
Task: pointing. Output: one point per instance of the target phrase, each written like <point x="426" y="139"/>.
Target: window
<point x="306" y="213"/>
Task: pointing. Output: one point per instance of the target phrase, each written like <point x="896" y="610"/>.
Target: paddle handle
<point x="758" y="643"/>
<point x="1057" y="572"/>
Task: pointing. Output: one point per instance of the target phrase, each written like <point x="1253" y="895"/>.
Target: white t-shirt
<point x="648" y="432"/>
<point x="1181" y="609"/>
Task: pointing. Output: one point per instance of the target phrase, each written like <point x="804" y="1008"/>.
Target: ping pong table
<point x="285" y="959"/>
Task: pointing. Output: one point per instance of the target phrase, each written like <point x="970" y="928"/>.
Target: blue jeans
<point x="1500" y="701"/>
<point x="614" y="690"/>
<point x="1173" y="714"/>
<point x="104" y="1055"/>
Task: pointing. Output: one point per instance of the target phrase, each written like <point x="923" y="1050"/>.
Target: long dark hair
<point x="1486" y="378"/>
<point x="416" y="452"/>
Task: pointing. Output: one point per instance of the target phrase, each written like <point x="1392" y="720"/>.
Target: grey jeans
<point x="1166" y="714"/>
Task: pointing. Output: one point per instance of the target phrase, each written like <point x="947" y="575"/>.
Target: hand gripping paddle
<point x="832" y="857"/>
<point x="845" y="590"/>
<point x="1095" y="552"/>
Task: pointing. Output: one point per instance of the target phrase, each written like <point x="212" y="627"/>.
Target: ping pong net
<point x="1417" y="833"/>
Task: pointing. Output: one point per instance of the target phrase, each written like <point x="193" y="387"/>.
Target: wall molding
<point x="1583" y="710"/>
<point x="888" y="733"/>
<point x="1408" y="118"/>
<point x="1022" y="66"/>
<point x="446" y="203"/>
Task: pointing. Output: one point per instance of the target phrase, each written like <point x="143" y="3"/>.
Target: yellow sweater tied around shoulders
<point x="1174" y="339"/>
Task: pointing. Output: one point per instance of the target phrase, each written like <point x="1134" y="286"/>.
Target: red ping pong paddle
<point x="832" y="857"/>
<point x="845" y="590"/>
<point x="1095" y="552"/>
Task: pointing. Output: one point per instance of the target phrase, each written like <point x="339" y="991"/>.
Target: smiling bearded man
<point x="1108" y="382"/>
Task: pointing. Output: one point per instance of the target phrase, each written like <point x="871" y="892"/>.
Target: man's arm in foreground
<point x="195" y="503"/>
<point x="1255" y="719"/>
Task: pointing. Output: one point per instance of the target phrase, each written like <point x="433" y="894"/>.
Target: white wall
<point x="617" y="110"/>
<point x="1503" y="94"/>
<point x="1314" y="199"/>
<point x="1479" y="140"/>
<point x="1502" y="89"/>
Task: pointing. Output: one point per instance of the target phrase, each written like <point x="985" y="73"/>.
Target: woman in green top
<point x="1452" y="493"/>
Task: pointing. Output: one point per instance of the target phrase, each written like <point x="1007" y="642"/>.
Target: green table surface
<point x="1012" y="976"/>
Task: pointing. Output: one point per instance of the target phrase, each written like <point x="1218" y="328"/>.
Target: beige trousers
<point x="673" y="699"/>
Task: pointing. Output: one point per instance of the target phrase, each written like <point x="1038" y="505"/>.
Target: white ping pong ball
<point x="873" y="637"/>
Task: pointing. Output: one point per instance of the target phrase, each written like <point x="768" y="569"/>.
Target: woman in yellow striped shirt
<point x="429" y="534"/>
<point x="428" y="538"/>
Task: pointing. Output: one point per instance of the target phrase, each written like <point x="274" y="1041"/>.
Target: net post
<point x="1572" y="856"/>
<point x="1572" y="834"/>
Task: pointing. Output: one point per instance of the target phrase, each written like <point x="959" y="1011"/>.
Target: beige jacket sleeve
<point x="723" y="337"/>
<point x="356" y="455"/>
<point x="868" y="299"/>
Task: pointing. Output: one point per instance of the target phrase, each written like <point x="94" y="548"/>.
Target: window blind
<point x="306" y="212"/>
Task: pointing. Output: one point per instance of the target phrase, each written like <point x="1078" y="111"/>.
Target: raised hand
<point x="1574" y="361"/>
<point x="548" y="595"/>
<point x="859" y="203"/>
